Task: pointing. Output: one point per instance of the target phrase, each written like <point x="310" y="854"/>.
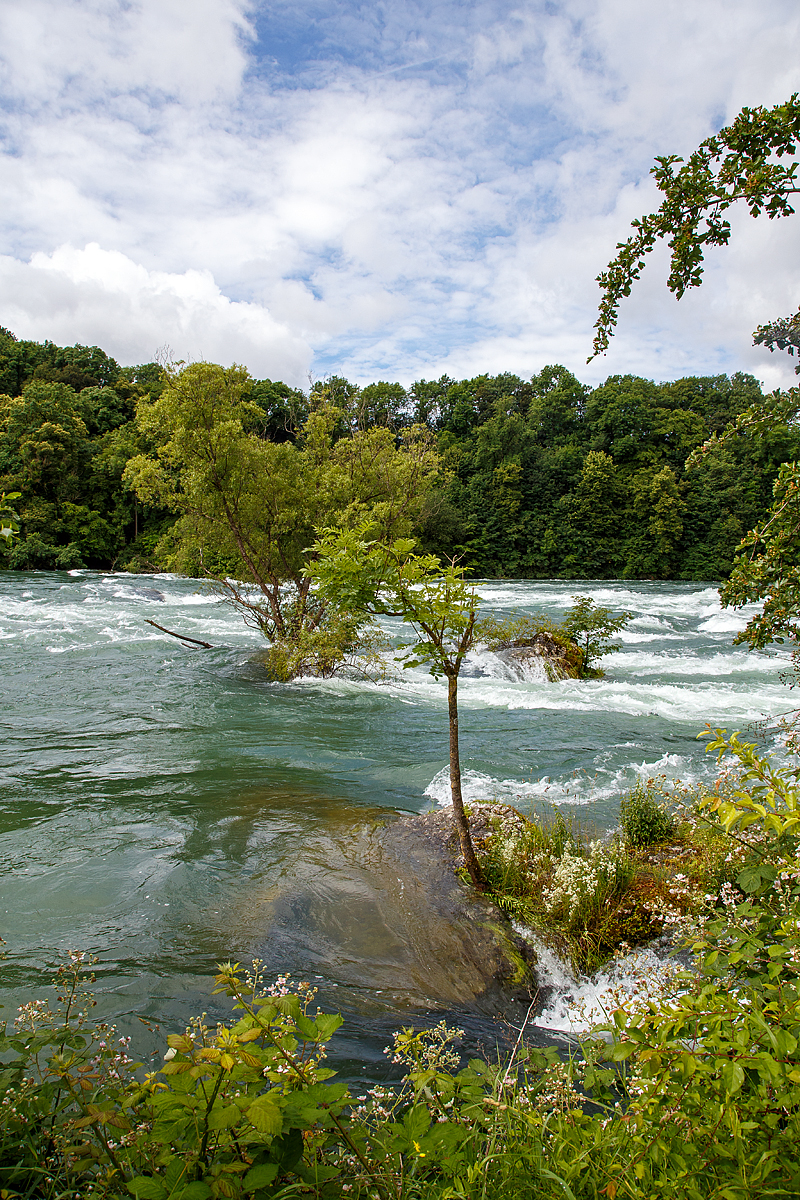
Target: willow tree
<point x="249" y="508"/>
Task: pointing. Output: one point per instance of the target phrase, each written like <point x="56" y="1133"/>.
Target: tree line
<point x="525" y="478"/>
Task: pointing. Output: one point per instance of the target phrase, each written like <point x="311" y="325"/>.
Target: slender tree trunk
<point x="459" y="816"/>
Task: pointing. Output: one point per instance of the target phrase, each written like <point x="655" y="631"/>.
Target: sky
<point x="380" y="191"/>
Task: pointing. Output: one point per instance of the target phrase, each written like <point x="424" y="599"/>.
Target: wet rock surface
<point x="436" y="830"/>
<point x="543" y="654"/>
<point x="426" y="846"/>
<point x="380" y="908"/>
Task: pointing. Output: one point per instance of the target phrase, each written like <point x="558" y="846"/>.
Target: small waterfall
<point x="509" y="666"/>
<point x="574" y="1005"/>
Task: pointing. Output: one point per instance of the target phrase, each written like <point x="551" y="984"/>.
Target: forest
<point x="539" y="478"/>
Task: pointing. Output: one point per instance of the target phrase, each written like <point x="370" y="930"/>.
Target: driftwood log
<point x="180" y="636"/>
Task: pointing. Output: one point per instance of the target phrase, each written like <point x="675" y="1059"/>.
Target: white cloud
<point x="448" y="216"/>
<point x="133" y="313"/>
<point x="73" y="53"/>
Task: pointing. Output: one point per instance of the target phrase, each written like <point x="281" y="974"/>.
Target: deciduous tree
<point x="592" y="626"/>
<point x="250" y="507"/>
<point x="753" y="161"/>
<point x="433" y="598"/>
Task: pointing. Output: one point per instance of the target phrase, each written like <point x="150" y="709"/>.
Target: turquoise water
<point x="166" y="808"/>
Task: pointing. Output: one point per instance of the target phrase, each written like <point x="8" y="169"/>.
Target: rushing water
<point x="167" y="808"/>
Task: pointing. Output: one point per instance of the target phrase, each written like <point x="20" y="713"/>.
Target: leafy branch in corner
<point x="736" y="164"/>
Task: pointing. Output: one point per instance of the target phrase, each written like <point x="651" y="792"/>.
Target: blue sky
<point x="377" y="190"/>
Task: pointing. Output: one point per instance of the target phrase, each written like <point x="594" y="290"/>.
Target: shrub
<point x="644" y="821"/>
<point x="569" y="888"/>
<point x="500" y="634"/>
<point x="233" y="1113"/>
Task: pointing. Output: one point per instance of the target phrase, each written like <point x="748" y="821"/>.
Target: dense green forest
<point x="539" y="478"/>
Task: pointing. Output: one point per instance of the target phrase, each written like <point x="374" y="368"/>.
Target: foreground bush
<point x="693" y="1095"/>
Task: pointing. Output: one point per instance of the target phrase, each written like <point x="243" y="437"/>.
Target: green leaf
<point x="306" y="1029"/>
<point x="327" y="1024"/>
<point x="174" y="1067"/>
<point x="265" y="1115"/>
<point x="732" y="1077"/>
<point x="259" y="1177"/>
<point x="193" y="1191"/>
<point x="175" y="1174"/>
<point x="144" y="1187"/>
<point x="752" y="878"/>
<point x="224" y="1118"/>
<point x="417" y="1122"/>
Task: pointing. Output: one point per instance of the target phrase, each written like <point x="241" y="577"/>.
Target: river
<point x="167" y="808"/>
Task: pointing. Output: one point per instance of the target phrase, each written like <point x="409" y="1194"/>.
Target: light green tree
<point x="362" y="575"/>
<point x="249" y="508"/>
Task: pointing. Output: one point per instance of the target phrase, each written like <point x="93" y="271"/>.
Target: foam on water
<point x="724" y="622"/>
<point x="112" y="726"/>
<point x="685" y="673"/>
<point x="702" y="700"/>
<point x="581" y="787"/>
<point x="576" y="1005"/>
<point x="678" y="662"/>
<point x="482" y="663"/>
<point x="95" y="610"/>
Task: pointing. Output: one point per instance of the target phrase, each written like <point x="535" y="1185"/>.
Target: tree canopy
<point x="249" y="507"/>
<point x="537" y="478"/>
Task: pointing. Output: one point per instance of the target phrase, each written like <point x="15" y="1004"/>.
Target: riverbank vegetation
<point x="692" y="1093"/>
<point x="590" y="898"/>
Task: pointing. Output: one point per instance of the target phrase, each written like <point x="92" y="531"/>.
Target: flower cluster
<point x="577" y="878"/>
<point x="426" y="1049"/>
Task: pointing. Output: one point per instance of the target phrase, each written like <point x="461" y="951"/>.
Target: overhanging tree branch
<point x="738" y="164"/>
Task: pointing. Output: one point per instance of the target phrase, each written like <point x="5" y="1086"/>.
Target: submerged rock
<point x="147" y="593"/>
<point x="378" y="907"/>
<point x="489" y="950"/>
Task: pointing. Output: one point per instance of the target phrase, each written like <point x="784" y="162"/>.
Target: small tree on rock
<point x="390" y="579"/>
<point x="591" y="627"/>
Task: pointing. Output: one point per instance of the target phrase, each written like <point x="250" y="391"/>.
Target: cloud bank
<point x="120" y="305"/>
<point x="377" y="191"/>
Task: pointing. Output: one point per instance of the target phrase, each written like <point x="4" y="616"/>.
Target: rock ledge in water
<point x="428" y="842"/>
<point x="546" y="654"/>
<point x="437" y="829"/>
